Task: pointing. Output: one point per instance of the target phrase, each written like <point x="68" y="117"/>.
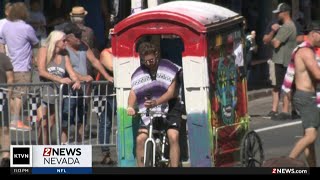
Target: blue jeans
<point x="70" y="110"/>
<point x="105" y="125"/>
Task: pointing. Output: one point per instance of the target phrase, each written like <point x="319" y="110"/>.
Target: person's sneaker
<point x="5" y="162"/>
<point x="13" y="126"/>
<point x="281" y="116"/>
<point x="271" y="114"/>
<point x="22" y="127"/>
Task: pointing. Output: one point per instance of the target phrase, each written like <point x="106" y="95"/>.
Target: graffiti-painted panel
<point x="227" y="94"/>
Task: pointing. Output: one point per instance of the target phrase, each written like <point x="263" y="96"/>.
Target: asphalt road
<point x="278" y="137"/>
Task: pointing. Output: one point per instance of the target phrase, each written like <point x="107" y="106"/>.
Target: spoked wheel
<point x="251" y="152"/>
<point x="149" y="155"/>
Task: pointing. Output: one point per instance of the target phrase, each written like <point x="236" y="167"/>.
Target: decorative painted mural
<point x="227" y="94"/>
<point x="226" y="89"/>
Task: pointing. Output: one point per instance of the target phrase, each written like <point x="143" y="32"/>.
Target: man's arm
<point x="268" y="37"/>
<point x="2" y="48"/>
<point x="282" y="36"/>
<point x="97" y="65"/>
<point x="34" y="41"/>
<point x="169" y="94"/>
<point x="86" y="78"/>
<point x="275" y="43"/>
<point x="308" y="58"/>
<point x="72" y="74"/>
<point x="106" y="60"/>
<point x="2" y="44"/>
<point x="131" y="101"/>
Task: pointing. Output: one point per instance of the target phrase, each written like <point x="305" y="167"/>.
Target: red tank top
<point x="109" y="50"/>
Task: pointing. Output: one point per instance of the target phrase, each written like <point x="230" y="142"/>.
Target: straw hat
<point x="78" y="11"/>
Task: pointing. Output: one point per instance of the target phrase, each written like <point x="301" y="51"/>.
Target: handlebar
<point x="153" y="113"/>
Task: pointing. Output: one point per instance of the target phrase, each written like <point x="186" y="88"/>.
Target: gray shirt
<point x="287" y="36"/>
<point x="50" y="93"/>
<point x="79" y="59"/>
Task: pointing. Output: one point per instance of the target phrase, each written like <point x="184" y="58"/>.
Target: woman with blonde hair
<point x="53" y="64"/>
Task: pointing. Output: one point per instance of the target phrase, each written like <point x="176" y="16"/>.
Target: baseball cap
<point x="313" y="27"/>
<point x="282" y="8"/>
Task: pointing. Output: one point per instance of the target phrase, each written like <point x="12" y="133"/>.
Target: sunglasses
<point x="149" y="60"/>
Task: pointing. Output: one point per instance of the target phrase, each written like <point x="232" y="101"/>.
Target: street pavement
<point x="278" y="137"/>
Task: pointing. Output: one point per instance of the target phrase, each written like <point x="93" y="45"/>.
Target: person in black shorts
<point x="305" y="95"/>
<point x="282" y="38"/>
<point x="153" y="84"/>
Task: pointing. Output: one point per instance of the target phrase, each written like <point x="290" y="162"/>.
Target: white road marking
<point x="278" y="126"/>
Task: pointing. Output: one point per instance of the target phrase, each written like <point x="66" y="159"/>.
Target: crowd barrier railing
<point x="54" y="115"/>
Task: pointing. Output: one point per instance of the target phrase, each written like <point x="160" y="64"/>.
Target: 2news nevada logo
<point x="62" y="156"/>
<point x="21" y="156"/>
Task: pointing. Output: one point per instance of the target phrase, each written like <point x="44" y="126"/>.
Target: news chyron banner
<point x="51" y="159"/>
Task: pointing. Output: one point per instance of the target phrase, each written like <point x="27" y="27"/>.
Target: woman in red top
<point x="106" y="116"/>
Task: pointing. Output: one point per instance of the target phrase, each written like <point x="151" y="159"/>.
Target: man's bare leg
<point x="173" y="136"/>
<point x="5" y="141"/>
<point x="141" y="138"/>
<point x="275" y="99"/>
<point x="64" y="136"/>
<point x="286" y="102"/>
<point x="310" y="154"/>
<point x="15" y="108"/>
<point x="309" y="138"/>
<point x="80" y="133"/>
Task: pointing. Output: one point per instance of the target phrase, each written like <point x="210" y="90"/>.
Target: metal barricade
<point x="88" y="115"/>
<point x="25" y="116"/>
<point x="4" y="123"/>
<point x="50" y="114"/>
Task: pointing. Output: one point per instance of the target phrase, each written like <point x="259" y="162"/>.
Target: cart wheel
<point x="251" y="152"/>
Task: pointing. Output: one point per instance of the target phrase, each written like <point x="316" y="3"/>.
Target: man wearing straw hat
<point x="77" y="16"/>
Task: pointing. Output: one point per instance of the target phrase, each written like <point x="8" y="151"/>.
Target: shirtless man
<point x="307" y="73"/>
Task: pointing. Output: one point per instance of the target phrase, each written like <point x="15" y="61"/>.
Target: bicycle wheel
<point x="149" y="155"/>
<point x="251" y="152"/>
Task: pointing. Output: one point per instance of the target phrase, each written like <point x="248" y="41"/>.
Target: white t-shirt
<point x="2" y="23"/>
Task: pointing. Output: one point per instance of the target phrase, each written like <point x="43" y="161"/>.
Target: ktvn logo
<point x="21" y="156"/>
